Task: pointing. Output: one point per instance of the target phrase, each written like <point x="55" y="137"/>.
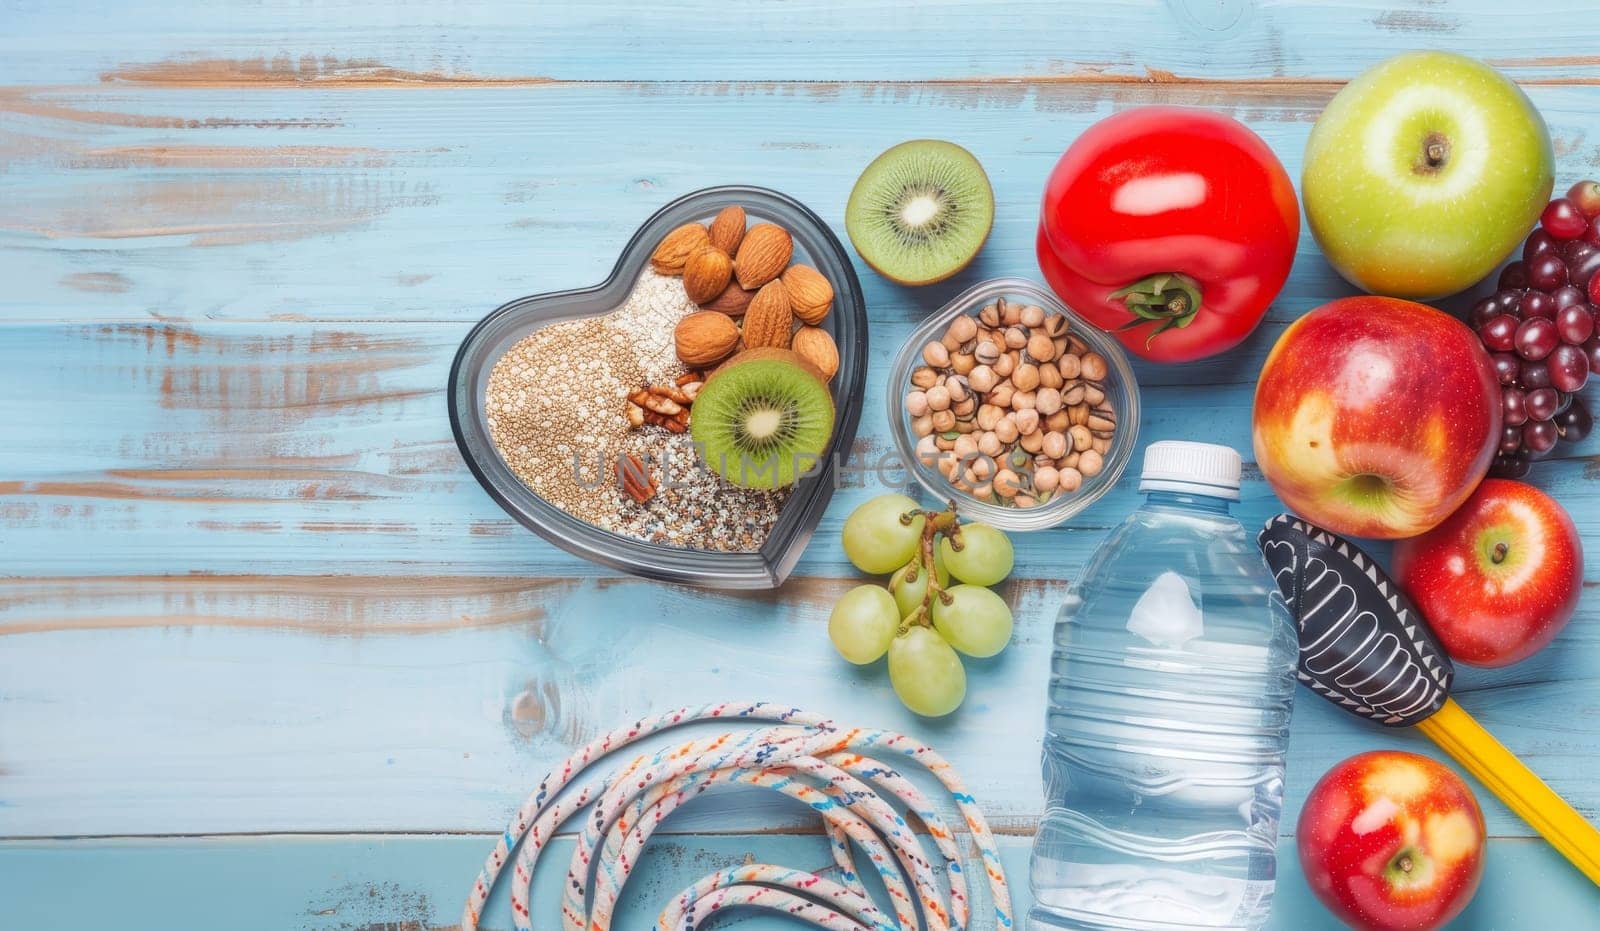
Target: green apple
<point x="1424" y="173"/>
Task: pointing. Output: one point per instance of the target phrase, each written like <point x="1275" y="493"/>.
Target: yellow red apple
<point x="1376" y="417"/>
<point x="1392" y="841"/>
<point x="1499" y="578"/>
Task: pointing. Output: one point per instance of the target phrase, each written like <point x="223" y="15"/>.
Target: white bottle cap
<point x="1191" y="468"/>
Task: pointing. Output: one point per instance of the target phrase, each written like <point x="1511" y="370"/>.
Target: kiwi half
<point x="763" y="419"/>
<point x="920" y="212"/>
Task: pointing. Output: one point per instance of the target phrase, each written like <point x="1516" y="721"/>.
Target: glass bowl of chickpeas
<point x="1013" y="406"/>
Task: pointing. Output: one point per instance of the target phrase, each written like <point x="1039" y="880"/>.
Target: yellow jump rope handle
<point x="1524" y="792"/>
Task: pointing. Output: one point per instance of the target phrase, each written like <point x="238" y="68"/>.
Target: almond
<point x="763" y="255"/>
<point x="706" y="273"/>
<point x="727" y="230"/>
<point x="733" y="300"/>
<point x="769" y="318"/>
<point x="809" y="293"/>
<point x="705" y="338"/>
<point x="817" y="347"/>
<point x="676" y="248"/>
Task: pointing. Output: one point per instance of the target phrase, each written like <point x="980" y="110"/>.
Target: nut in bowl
<point x="1009" y="403"/>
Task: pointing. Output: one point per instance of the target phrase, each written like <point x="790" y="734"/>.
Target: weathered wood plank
<point x="819" y="40"/>
<point x="206" y="704"/>
<point x="131" y="203"/>
<point x="410" y="883"/>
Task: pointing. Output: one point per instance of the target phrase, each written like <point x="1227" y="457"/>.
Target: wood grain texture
<point x="409" y="883"/>
<point x="248" y="585"/>
<point x="293" y="204"/>
<point x="426" y="42"/>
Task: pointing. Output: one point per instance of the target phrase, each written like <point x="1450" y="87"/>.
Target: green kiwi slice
<point x="763" y="419"/>
<point x="920" y="212"/>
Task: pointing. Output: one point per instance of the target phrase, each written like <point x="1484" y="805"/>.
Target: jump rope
<point x="833" y="770"/>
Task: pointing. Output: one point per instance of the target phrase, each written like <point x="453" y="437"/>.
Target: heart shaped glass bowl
<point x="766" y="567"/>
<point x="1121" y="390"/>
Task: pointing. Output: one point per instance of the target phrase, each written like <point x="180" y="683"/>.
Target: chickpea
<point x="1071" y="480"/>
<point x="982" y="378"/>
<point x="1024" y="500"/>
<point x="945" y="421"/>
<point x="950" y="343"/>
<point x="1094" y="366"/>
<point x="1032" y="442"/>
<point x="962" y="329"/>
<point x="962" y="362"/>
<point x="1023" y="400"/>
<point x="916" y="403"/>
<point x="936" y="355"/>
<point x="1081" y="437"/>
<point x="1056" y="325"/>
<point x="965" y="446"/>
<point x="1055" y="444"/>
<point x="988" y="416"/>
<point x="1001" y="395"/>
<point x="1069" y="366"/>
<point x="957" y="386"/>
<point x="1058" y="422"/>
<point x="1072" y="395"/>
<point x="1010" y="314"/>
<point x="949" y="467"/>
<point x="1046" y="478"/>
<point x="1041" y="348"/>
<point x="1050" y="377"/>
<point x="1032" y="316"/>
<point x="927" y="450"/>
<point x="1078" y="415"/>
<point x="924" y="377"/>
<point x="1027" y="420"/>
<point x="1007" y="483"/>
<point x="922" y="426"/>
<point x="1006" y="430"/>
<point x="987" y="352"/>
<point x="981" y="468"/>
<point x="1090" y="463"/>
<point x="964" y="407"/>
<point x="982" y="491"/>
<point x="1026" y="377"/>
<point x="1093" y="395"/>
<point x="938" y="398"/>
<point x="989" y="444"/>
<point x="1016" y="337"/>
<point x="1005" y="365"/>
<point x="989" y="316"/>
<point x="1048" y="400"/>
<point x="1101" y="445"/>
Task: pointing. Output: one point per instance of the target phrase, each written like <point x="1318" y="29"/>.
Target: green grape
<point x="874" y="538"/>
<point x="976" y="621"/>
<point x="926" y="673"/>
<point x="984" y="558"/>
<point x="862" y="623"/>
<point x="909" y="595"/>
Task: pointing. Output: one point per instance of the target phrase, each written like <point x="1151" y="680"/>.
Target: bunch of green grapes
<point x="918" y="617"/>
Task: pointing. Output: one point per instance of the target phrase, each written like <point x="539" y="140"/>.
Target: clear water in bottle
<point x="1170" y="694"/>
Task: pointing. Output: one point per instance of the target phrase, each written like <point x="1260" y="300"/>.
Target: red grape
<point x="1507" y="367"/>
<point x="1585" y="195"/>
<point x="1534" y="375"/>
<point x="1539" y="242"/>
<point x="1535" y="338"/>
<point x="1590" y="349"/>
<point x="1508" y="300"/>
<point x="1539" y="436"/>
<point x="1515" y="465"/>
<point x="1510" y="439"/>
<point x="1563" y="220"/>
<point x="1536" y="304"/>
<point x="1515" y="408"/>
<point x="1569" y="368"/>
<point x="1541" y="403"/>
<point x="1500" y="333"/>
<point x="1575" y="324"/>
<point x="1567" y="295"/>
<point x="1582" y="266"/>
<point x="1547" y="272"/>
<point x="1514" y="275"/>
<point x="1575" y="422"/>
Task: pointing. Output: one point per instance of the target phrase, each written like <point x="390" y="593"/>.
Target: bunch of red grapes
<point x="1542" y="328"/>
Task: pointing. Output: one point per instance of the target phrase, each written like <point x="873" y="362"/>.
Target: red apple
<point x="1392" y="841"/>
<point x="1376" y="417"/>
<point x="1499" y="578"/>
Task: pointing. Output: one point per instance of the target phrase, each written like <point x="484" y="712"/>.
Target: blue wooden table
<point x="270" y="658"/>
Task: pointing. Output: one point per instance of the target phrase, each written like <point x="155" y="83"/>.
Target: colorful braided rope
<point x="845" y="775"/>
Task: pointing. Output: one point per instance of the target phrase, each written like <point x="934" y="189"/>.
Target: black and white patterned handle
<point x="1363" y="646"/>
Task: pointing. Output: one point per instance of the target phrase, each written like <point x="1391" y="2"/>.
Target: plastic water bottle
<point x="1170" y="694"/>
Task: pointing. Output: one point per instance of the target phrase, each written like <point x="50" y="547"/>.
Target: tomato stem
<point x="1170" y="300"/>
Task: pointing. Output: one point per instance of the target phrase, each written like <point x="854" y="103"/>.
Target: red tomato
<point x="1170" y="227"/>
